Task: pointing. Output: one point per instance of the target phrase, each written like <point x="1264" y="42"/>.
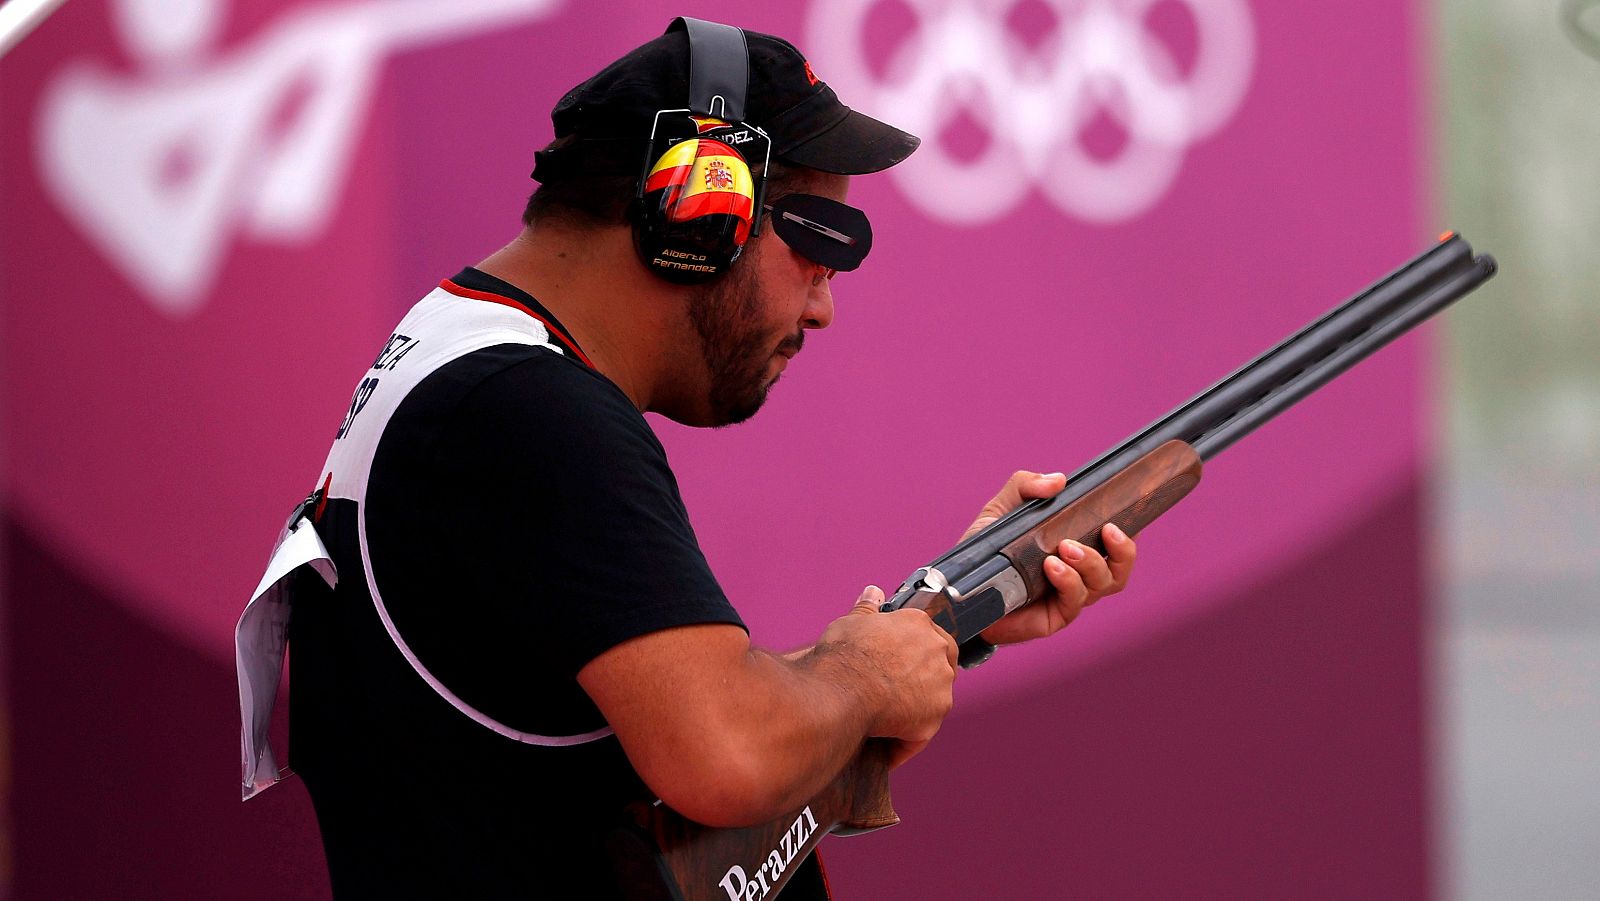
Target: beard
<point x="727" y="317"/>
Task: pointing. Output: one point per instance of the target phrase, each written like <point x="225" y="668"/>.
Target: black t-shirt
<point x="521" y="518"/>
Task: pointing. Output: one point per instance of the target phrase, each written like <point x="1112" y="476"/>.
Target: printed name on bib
<point x="393" y="351"/>
<point x="357" y="403"/>
<point x="396" y="347"/>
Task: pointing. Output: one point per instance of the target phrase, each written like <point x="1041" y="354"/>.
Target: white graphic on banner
<point x="161" y="168"/>
<point x="1034" y="102"/>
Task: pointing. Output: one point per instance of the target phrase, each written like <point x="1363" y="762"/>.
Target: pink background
<point x="1244" y="722"/>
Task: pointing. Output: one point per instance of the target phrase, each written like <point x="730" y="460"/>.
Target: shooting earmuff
<point x="698" y="200"/>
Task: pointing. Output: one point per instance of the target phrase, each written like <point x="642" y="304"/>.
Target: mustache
<point x="793" y="343"/>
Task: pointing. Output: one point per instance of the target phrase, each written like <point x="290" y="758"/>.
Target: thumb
<point x="1044" y="485"/>
<point x="870" y="601"/>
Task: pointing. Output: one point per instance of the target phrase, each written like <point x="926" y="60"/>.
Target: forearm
<point x="730" y="735"/>
<point x="727" y="734"/>
<point x="797" y="721"/>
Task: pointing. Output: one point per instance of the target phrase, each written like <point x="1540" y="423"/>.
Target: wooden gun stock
<point x="662" y="856"/>
<point x="1132" y="498"/>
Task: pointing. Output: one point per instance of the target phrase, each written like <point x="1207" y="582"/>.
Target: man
<point x="525" y="636"/>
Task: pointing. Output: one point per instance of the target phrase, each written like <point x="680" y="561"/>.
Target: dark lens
<point x="826" y="232"/>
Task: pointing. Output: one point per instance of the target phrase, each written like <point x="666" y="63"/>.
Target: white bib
<point x="441" y="328"/>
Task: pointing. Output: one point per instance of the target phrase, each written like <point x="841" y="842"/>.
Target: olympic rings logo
<point x="1035" y="101"/>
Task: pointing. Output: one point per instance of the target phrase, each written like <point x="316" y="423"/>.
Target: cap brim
<point x="856" y="145"/>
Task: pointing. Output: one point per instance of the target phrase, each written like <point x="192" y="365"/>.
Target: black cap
<point x="612" y="112"/>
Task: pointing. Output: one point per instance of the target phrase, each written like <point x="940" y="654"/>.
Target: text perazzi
<point x="675" y="259"/>
<point x="741" y="887"/>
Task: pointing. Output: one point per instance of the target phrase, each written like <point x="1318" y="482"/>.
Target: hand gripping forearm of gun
<point x="999" y="569"/>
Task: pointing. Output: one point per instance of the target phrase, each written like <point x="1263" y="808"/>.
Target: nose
<point x="819" y="304"/>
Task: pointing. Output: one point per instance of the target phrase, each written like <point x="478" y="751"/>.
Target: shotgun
<point x="662" y="856"/>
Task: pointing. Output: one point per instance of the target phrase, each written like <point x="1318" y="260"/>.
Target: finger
<point x="1022" y="486"/>
<point x="1091" y="567"/>
<point x="871" y="600"/>
<point x="1071" y="593"/>
<point x="1120" y="553"/>
<point x="1041" y="485"/>
<point x="1010" y="495"/>
<point x="952" y="650"/>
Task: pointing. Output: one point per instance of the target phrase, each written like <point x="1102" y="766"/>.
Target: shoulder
<point x="516" y="399"/>
<point x="514" y="430"/>
<point x="551" y="409"/>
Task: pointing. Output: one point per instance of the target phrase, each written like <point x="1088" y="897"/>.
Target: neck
<point x="622" y="317"/>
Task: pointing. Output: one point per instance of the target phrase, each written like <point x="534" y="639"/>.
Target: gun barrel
<point x="1296" y="387"/>
<point x="1245" y="399"/>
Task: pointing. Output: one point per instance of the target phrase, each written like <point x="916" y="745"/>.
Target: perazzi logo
<point x="741" y="887"/>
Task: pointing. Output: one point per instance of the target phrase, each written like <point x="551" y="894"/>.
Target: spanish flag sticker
<point x="704" y="177"/>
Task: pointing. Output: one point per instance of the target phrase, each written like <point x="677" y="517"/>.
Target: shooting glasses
<point x="831" y="234"/>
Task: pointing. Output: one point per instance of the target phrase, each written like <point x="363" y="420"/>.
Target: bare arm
<point x="731" y="735"/>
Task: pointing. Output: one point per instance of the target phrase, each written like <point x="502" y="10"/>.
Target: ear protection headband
<point x="697" y="201"/>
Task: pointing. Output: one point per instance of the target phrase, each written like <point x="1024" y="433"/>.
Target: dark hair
<point x="587" y="201"/>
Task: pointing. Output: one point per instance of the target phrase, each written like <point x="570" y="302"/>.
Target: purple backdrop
<point x="215" y="210"/>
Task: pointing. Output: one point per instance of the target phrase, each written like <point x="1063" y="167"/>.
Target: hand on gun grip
<point x="909" y="664"/>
